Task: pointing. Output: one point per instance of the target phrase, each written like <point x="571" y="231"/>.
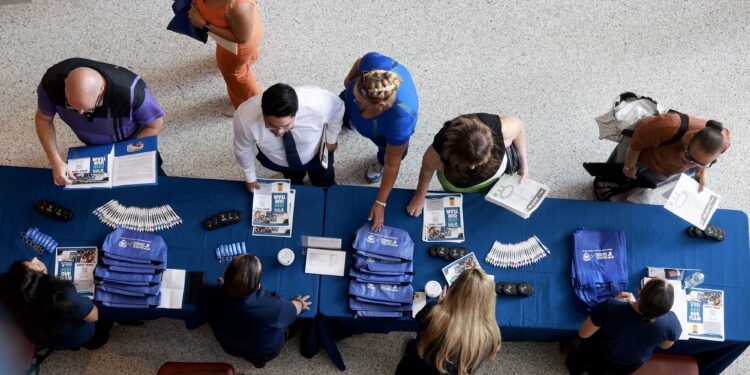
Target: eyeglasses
<point x="282" y="129"/>
<point x="99" y="102"/>
<point x="690" y="159"/>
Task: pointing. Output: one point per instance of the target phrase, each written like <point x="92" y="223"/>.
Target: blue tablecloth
<point x="655" y="237"/>
<point x="190" y="246"/>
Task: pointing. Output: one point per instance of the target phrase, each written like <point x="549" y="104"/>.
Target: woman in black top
<point x="470" y="153"/>
<point x="48" y="310"/>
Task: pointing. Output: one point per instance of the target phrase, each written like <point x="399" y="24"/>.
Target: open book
<point x="520" y="198"/>
<point x="126" y="163"/>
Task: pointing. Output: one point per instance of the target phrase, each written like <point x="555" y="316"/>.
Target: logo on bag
<point x="122" y="243"/>
<point x="370" y="239"/>
<point x="135" y="244"/>
<point x="603" y="254"/>
<point x="389" y="287"/>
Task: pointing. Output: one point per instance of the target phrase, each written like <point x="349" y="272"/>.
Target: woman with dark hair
<point x="247" y="320"/>
<point x="653" y="153"/>
<point x="48" y="310"/>
<point x="470" y="153"/>
<point x="620" y="334"/>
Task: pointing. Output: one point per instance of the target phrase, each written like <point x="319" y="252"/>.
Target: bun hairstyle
<point x="380" y="84"/>
<point x="656" y="299"/>
<point x="710" y="139"/>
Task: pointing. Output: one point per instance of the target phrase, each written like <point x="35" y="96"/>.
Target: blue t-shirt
<point x="397" y="123"/>
<point x="249" y="326"/>
<point x="74" y="331"/>
<point x="623" y="338"/>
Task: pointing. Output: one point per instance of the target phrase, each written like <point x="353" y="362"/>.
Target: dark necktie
<point x="292" y="157"/>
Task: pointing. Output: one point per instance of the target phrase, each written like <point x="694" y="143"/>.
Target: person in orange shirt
<point x="236" y="21"/>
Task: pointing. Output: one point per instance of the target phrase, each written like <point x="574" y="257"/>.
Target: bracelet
<point x="379" y="203"/>
<point x="628" y="168"/>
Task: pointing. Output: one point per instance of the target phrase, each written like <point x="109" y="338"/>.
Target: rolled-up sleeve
<point x="244" y="148"/>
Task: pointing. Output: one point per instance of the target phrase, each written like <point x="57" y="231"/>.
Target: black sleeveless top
<point x="495" y="125"/>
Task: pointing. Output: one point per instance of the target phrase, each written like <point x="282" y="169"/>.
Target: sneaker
<point x="228" y="111"/>
<point x="374" y="173"/>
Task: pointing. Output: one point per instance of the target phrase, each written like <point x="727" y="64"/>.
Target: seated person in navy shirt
<point x="458" y="333"/>
<point x="620" y="334"/>
<point x="247" y="320"/>
<point x="48" y="310"/>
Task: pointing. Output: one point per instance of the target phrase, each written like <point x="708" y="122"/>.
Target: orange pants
<point x="238" y="74"/>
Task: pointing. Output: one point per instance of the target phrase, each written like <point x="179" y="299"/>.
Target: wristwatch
<point x="206" y="27"/>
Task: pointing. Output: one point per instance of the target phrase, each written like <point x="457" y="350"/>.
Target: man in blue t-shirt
<point x="620" y="334"/>
<point x="247" y="320"/>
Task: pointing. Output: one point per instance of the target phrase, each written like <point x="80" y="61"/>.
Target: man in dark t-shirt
<point x="247" y="320"/>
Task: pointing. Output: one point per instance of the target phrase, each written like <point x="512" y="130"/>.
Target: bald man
<point x="102" y="104"/>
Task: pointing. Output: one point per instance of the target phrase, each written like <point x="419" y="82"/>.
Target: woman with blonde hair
<point x="237" y="21"/>
<point x="458" y="333"/>
<point x="381" y="104"/>
<point x="470" y="153"/>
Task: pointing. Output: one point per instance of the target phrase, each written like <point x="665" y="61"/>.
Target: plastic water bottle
<point x="694" y="280"/>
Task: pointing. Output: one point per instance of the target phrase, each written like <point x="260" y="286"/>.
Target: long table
<point x="190" y="246"/>
<point x="654" y="237"/>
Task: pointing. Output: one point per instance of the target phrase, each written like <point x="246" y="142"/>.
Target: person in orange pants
<point x="237" y="21"/>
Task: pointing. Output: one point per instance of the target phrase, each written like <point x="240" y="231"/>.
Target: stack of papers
<point x="325" y="262"/>
<point x="273" y="208"/>
<point x="172" y="289"/>
<point x="125" y="163"/>
<point x="77" y="264"/>
<point x="694" y="207"/>
<point x="521" y="198"/>
<point x="443" y="218"/>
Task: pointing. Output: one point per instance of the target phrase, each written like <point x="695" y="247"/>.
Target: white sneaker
<point x="374" y="173"/>
<point x="228" y="111"/>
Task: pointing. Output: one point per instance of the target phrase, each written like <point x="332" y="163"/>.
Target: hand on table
<point x="302" y="303"/>
<point x="251" y="186"/>
<point x="62" y="174"/>
<point x="415" y="206"/>
<point x="377" y="215"/>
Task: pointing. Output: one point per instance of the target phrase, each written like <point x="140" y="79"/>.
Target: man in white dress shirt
<point x="286" y="124"/>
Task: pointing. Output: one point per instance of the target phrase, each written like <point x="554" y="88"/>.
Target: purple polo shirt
<point x="127" y="104"/>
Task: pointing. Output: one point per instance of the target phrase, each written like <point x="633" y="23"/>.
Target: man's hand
<point x="251" y="186"/>
<point x="331" y="146"/>
<point x="301" y="303"/>
<point x="62" y="174"/>
<point x="195" y="17"/>
<point x="377" y="215"/>
<point x="415" y="206"/>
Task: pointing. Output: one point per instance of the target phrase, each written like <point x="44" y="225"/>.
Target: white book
<point x="229" y="46"/>
<point x="521" y="198"/>
<point x="694" y="207"/>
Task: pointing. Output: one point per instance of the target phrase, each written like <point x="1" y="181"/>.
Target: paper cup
<point x="432" y="289"/>
<point x="285" y="256"/>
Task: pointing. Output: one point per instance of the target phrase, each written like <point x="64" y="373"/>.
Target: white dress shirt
<point x="316" y="107"/>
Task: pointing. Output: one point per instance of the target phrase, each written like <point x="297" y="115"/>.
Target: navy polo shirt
<point x="73" y="331"/>
<point x="251" y="326"/>
<point x="623" y="338"/>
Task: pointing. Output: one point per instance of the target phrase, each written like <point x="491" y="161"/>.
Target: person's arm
<point x="244" y="152"/>
<point x="393" y="155"/>
<point x="666" y="344"/>
<point x="353" y="73"/>
<point x="430" y="163"/>
<point x="515" y="133"/>
<point x="45" y="130"/>
<point x="151" y="129"/>
<point x="301" y="303"/>
<point x="335" y="120"/>
<point x="240" y="18"/>
<point x="701" y="174"/>
<point x="588" y="328"/>
<point x="93" y="316"/>
<point x="630" y="167"/>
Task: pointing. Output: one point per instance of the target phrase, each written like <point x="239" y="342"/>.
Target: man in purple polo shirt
<point x="102" y="103"/>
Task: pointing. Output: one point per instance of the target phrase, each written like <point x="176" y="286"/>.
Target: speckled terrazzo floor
<point x="554" y="64"/>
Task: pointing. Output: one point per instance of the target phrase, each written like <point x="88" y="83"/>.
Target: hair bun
<point x="714" y="124"/>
